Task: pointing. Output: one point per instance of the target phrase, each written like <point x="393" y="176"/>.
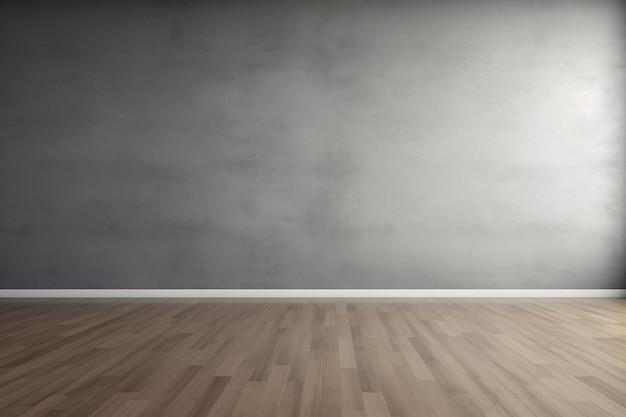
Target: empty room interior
<point x="313" y="208"/>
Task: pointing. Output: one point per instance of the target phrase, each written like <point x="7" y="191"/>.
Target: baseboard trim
<point x="312" y="293"/>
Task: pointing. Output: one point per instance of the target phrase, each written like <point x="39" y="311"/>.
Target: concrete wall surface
<point x="313" y="144"/>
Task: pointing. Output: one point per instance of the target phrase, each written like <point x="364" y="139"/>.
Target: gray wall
<point x="315" y="144"/>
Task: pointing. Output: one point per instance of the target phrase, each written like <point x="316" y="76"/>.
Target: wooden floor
<point x="366" y="358"/>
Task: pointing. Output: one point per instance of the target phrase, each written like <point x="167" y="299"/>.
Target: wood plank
<point x="313" y="358"/>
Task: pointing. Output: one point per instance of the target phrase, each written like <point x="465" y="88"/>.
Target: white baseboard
<point x="312" y="293"/>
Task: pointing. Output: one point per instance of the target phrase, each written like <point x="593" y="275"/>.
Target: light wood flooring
<point x="305" y="358"/>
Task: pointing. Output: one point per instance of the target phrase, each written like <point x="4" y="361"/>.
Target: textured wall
<point x="327" y="144"/>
